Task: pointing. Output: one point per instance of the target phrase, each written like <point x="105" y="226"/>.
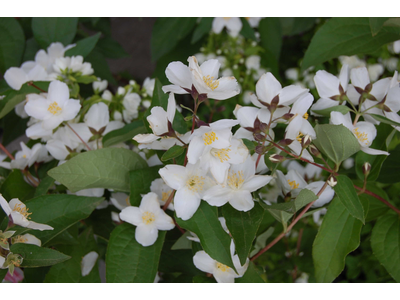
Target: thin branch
<point x="86" y="145"/>
<point x="36" y="87"/>
<point x="171" y="196"/>
<point x="6" y="152"/>
<point x="379" y="198"/>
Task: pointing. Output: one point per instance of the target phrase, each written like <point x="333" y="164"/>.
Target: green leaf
<point x="375" y="207"/>
<point x="12" y="97"/>
<point x="347" y="195"/>
<point x="376" y="24"/>
<point x="59" y="211"/>
<point x="100" y="66"/>
<point x="243" y="227"/>
<point x="51" y="30"/>
<point x="247" y="31"/>
<point x="384" y="120"/>
<point x="327" y="111"/>
<point x="346" y="36"/>
<point x="31" y="48"/>
<point x="166" y="34"/>
<point x="12" y="43"/>
<point x="173" y="152"/>
<point x="204" y="27"/>
<point x="251" y="275"/>
<point x="261" y="241"/>
<point x="179" y="124"/>
<point x="183" y="242"/>
<point x="271" y="35"/>
<point x="124" y="134"/>
<point x="303" y="198"/>
<point x="110" y="48"/>
<point x="127" y="260"/>
<point x="104" y="168"/>
<point x="84" y="47"/>
<point x="3" y="273"/>
<point x="140" y="181"/>
<point x="44" y="185"/>
<point x="385" y="243"/>
<point x="16" y="187"/>
<point x="336" y="141"/>
<point x="249" y="144"/>
<point x="35" y="256"/>
<point x="13" y="127"/>
<point x="338" y="235"/>
<point x="86" y="79"/>
<point x="390" y="168"/>
<point x="213" y="238"/>
<point x="292" y="26"/>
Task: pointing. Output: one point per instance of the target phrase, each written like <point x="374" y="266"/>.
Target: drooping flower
<point x="233" y="25"/>
<point x="27" y="157"/>
<point x="26" y="239"/>
<point x="149" y="218"/>
<point x="29" y="71"/>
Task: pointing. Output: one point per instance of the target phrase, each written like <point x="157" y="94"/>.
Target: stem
<point x="171" y="196"/>
<point x="279" y="237"/>
<point x="6" y="152"/>
<point x="86" y="145"/>
<point x="259" y="156"/>
<point x="379" y="198"/>
<point x="31" y="179"/>
<point x="297" y="252"/>
<point x="180" y="228"/>
<point x="356" y="119"/>
<point x="36" y="87"/>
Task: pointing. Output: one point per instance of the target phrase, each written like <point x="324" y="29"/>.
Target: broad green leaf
<point x="59" y="211"/>
<point x="251" y="275"/>
<point x="327" y="111"/>
<point x="44" y="185"/>
<point x="281" y="216"/>
<point x="261" y="241"/>
<point x="84" y="47"/>
<point x="101" y="222"/>
<point x="292" y="26"/>
<point x="303" y="198"/>
<point x="13" y="127"/>
<point x="249" y="144"/>
<point x="12" y="43"/>
<point x="70" y="270"/>
<point x="100" y="66"/>
<point x="376" y="24"/>
<point x="35" y="275"/>
<point x="103" y="168"/>
<point x="390" y="168"/>
<point x="384" y="120"/>
<point x="338" y="235"/>
<point x="385" y="243"/>
<point x="159" y="98"/>
<point x="124" y="134"/>
<point x="375" y="207"/>
<point x="50" y="30"/>
<point x="127" y="260"/>
<point x="16" y="187"/>
<point x="347" y="195"/>
<point x="140" y="181"/>
<point x="243" y="227"/>
<point x="213" y="238"/>
<point x="346" y="36"/>
<point x="35" y="256"/>
<point x="3" y="273"/>
<point x="86" y="79"/>
<point x="204" y="27"/>
<point x="179" y="124"/>
<point x="271" y="35"/>
<point x="336" y="141"/>
<point x="166" y="34"/>
<point x="31" y="48"/>
<point x="12" y="97"/>
<point x="247" y="31"/>
<point x="110" y="48"/>
<point x="172" y="152"/>
<point x="183" y="242"/>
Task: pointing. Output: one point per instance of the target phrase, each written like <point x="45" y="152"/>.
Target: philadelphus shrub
<point x="201" y="176"/>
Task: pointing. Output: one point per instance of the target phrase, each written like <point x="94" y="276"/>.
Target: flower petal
<point x="146" y="235"/>
<point x="186" y="203"/>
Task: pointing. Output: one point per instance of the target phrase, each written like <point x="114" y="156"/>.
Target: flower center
<point x="195" y="183"/>
<point x="222" y="267"/>
<point x="299" y="137"/>
<point x="165" y="196"/>
<point x="209" y="138"/>
<point x="127" y="201"/>
<point x="235" y="180"/>
<point x="22" y="210"/>
<point x="4" y="241"/>
<point x="210" y="82"/>
<point x="222" y="154"/>
<point x="54" y="108"/>
<point x="19" y="239"/>
<point x="293" y="184"/>
<point x="305" y="116"/>
<point x="148" y="218"/>
<point x="362" y="136"/>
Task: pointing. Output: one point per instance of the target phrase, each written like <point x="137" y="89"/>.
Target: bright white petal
<point x="88" y="262"/>
<point x="204" y="262"/>
<point x="146" y="235"/>
<point x="186" y="203"/>
<point x="132" y="215"/>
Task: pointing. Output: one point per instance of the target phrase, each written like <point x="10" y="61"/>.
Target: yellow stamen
<point x="19" y="239"/>
<point x="210" y="82"/>
<point x="362" y="136"/>
<point x="293" y="184"/>
<point x="235" y="180"/>
<point x="222" y="267"/>
<point x="54" y="108"/>
<point x="222" y="154"/>
<point x="299" y="137"/>
<point x="209" y="138"/>
<point x="195" y="183"/>
<point x="165" y="196"/>
<point x="4" y="241"/>
<point x="22" y="210"/>
<point x="305" y="116"/>
<point x="148" y="218"/>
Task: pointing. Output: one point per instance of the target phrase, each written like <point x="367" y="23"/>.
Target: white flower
<point x="131" y="104"/>
<point x="26" y="239"/>
<point x="54" y="51"/>
<point x="149" y="218"/>
<point x="100" y="85"/>
<point x="107" y="95"/>
<point x="365" y="132"/>
<point x="253" y="62"/>
<point x="292" y="74"/>
<point x="291" y="183"/>
<point x="396" y="46"/>
<point x="29" y="71"/>
<point x="88" y="262"/>
<point x="240" y="183"/>
<point x="55" y="108"/>
<point x="233" y="25"/>
<point x="190" y="183"/>
<point x="97" y="116"/>
<point x="120" y="200"/>
<point x="203" y="78"/>
<point x="325" y="197"/>
<point x="253" y="21"/>
<point x="352" y="61"/>
<point x="221" y="272"/>
<point x="73" y="64"/>
<point x="27" y="157"/>
<point x="162" y="190"/>
<point x="20" y="215"/>
<point x="375" y="71"/>
<point x="148" y="85"/>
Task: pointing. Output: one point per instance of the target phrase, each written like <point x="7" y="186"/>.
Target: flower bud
<point x="314" y="151"/>
<point x="276" y="158"/>
<point x="285" y="142"/>
<point x="332" y="181"/>
<point x="366" y="168"/>
<point x="306" y="141"/>
<point x="261" y="149"/>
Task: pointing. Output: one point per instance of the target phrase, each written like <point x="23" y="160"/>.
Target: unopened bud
<point x="332" y="181"/>
<point x="285" y="142"/>
<point x="305" y="141"/>
<point x="276" y="158"/>
<point x="366" y="168"/>
<point x="259" y="137"/>
<point x="260" y="149"/>
<point x="314" y="151"/>
<point x="287" y="116"/>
